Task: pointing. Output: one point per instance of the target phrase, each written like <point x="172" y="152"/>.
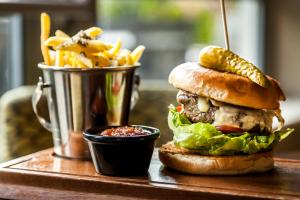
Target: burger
<point x="223" y="123"/>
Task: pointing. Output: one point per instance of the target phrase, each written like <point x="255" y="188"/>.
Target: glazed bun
<point x="226" y="87"/>
<point x="180" y="160"/>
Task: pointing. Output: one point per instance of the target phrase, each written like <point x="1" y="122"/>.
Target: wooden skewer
<point x="225" y="24"/>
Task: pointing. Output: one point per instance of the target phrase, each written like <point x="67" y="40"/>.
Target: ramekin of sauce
<point x="122" y="151"/>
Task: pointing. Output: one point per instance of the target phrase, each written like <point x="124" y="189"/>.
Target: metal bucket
<point x="79" y="99"/>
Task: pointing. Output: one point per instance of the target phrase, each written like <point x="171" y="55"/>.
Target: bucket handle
<point x="36" y="97"/>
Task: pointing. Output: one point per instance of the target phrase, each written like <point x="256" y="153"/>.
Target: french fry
<point x="116" y="48"/>
<point x="59" y="60"/>
<point x="123" y="58"/>
<point x="127" y="55"/>
<point x="93" y="32"/>
<point x="67" y="44"/>
<point x="84" y="60"/>
<point x="56" y="41"/>
<point x="73" y="62"/>
<point x="52" y="56"/>
<point x="107" y="54"/>
<point x="79" y="64"/>
<point x="101" y="60"/>
<point x="97" y="45"/>
<point x="137" y="53"/>
<point x="67" y="57"/>
<point x="45" y="32"/>
<point x="59" y="33"/>
<point x="129" y="60"/>
<point x="72" y="48"/>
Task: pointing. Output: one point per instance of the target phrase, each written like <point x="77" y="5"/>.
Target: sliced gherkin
<point x="224" y="60"/>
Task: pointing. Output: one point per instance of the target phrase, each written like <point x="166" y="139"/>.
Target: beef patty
<point x="191" y="110"/>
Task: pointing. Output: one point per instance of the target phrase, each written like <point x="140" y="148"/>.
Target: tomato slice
<point x="179" y="108"/>
<point x="229" y="129"/>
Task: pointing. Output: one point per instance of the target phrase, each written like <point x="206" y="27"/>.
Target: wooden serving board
<point x="44" y="176"/>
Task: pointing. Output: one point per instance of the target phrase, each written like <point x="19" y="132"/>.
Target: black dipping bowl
<point x="120" y="156"/>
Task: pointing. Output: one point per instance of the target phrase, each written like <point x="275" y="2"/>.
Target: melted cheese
<point x="203" y="104"/>
<point x="243" y="118"/>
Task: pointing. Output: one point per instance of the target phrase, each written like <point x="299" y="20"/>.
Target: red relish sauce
<point x="124" y="131"/>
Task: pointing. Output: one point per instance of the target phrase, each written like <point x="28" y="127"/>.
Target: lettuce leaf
<point x="207" y="140"/>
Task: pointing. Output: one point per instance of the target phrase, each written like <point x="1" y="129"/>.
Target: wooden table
<point x="44" y="176"/>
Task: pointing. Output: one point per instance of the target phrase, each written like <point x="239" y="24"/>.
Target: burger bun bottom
<point x="189" y="162"/>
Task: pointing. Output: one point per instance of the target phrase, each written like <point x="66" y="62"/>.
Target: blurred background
<point x="266" y="32"/>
